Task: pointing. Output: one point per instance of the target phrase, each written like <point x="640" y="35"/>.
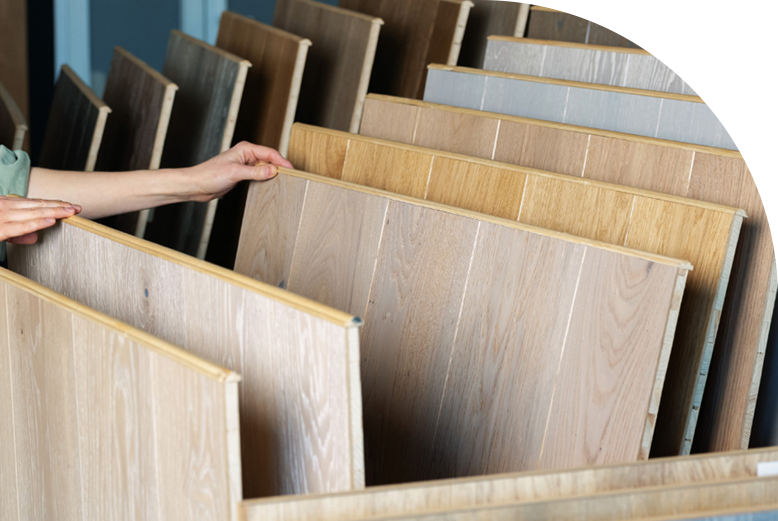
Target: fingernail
<point x="50" y="220"/>
<point x="266" y="172"/>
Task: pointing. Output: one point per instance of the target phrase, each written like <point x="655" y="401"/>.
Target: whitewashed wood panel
<point x="528" y="99"/>
<point x="612" y="111"/>
<point x="458" y="89"/>
<point x="692" y="123"/>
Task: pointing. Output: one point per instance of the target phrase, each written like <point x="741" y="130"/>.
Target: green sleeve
<point x="14" y="172"/>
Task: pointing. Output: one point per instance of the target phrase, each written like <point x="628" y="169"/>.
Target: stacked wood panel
<point x="550" y="24"/>
<point x="13" y="126"/>
<point x="446" y="43"/>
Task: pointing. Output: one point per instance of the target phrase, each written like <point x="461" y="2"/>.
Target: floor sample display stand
<point x="102" y="421"/>
<point x="75" y="127"/>
<point x="13" y="126"/>
<point x="210" y="83"/>
<point x="704" y="233"/>
<point x="446" y="43"/>
<point x="467" y="364"/>
<point x="717" y="175"/>
<point x="725" y="38"/>
<point x="489" y="18"/>
<point x="300" y="394"/>
<point x="141" y="100"/>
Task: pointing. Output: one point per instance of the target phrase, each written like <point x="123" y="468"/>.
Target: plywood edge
<point x="459" y="32"/>
<point x="660" y="17"/>
<point x="19" y="135"/>
<point x="568" y="83"/>
<point x="13" y="108"/>
<point x="530" y="171"/>
<point x="97" y="138"/>
<point x="294" y="95"/>
<point x="279" y="295"/>
<point x="344" y="12"/>
<point x="652" y="257"/>
<point x="144" y="67"/>
<point x="571" y="45"/>
<point x="153" y="343"/>
<point x="211" y="48"/>
<point x="364" y="78"/>
<point x="561" y="126"/>
<point x="267" y="28"/>
<point x="356" y="432"/>
<point x="232" y="450"/>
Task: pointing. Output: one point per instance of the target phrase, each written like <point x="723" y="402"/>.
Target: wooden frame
<point x="301" y="427"/>
<point x="436" y="294"/>
<point x="487" y="18"/>
<point x="75" y="127"/>
<point x="550" y="24"/>
<point x="99" y="417"/>
<point x="13" y="126"/>
<point x="717" y="175"/>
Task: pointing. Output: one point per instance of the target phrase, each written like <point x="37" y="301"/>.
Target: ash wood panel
<point x="529" y="486"/>
<point x="141" y="100"/>
<point x="399" y="67"/>
<point x="488" y="18"/>
<point x="74" y="130"/>
<point x="91" y="424"/>
<point x="8" y="479"/>
<point x="13" y="126"/>
<point x="202" y="124"/>
<point x="546" y="24"/>
<point x="702" y="173"/>
<point x="300" y="402"/>
<point x="433" y="304"/>
<point x="13" y="60"/>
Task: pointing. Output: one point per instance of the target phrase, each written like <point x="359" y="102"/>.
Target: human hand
<point x="20" y="218"/>
<point x="243" y="162"/>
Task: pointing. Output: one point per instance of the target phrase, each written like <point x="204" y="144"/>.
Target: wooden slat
<point x="548" y="24"/>
<point x="488" y="18"/>
<point x="530" y="487"/>
<point x="13" y="126"/>
<point x="75" y="127"/>
<point x="141" y="100"/>
<point x="300" y="400"/>
<point x="705" y="234"/>
<point x="400" y="59"/>
<point x="202" y="123"/>
<point x="106" y="418"/>
<point x="703" y="173"/>
<point x="439" y="331"/>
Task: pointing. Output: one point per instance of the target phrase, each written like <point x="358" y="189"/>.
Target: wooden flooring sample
<point x="13" y="126"/>
<point x="14" y="61"/>
<point x="707" y="174"/>
<point x="703" y="233"/>
<point x="107" y="420"/>
<point x="530" y="487"/>
<point x="266" y="114"/>
<point x="723" y="38"/>
<point x="210" y="83"/>
<point x="490" y="18"/>
<point x="75" y="127"/>
<point x="443" y="346"/>
<point x="400" y="59"/>
<point x="141" y="100"/>
<point x="450" y="25"/>
<point x="300" y="398"/>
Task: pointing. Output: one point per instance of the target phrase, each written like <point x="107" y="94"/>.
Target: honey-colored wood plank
<point x="542" y="148"/>
<point x="312" y="151"/>
<point x="13" y="126"/>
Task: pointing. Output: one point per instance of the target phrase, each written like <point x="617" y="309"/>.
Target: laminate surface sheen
<point x="490" y="18"/>
<point x="707" y="174"/>
<point x="443" y="346"/>
<point x="548" y="24"/>
<point x="75" y="127"/>
<point x="103" y="421"/>
<point x="703" y="233"/>
<point x="141" y="100"/>
<point x="300" y="425"/>
<point x="13" y="126"/>
<point x="202" y="123"/>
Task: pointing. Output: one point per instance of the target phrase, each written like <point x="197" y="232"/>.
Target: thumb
<point x="263" y="171"/>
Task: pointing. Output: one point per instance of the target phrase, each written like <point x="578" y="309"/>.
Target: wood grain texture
<point x="555" y="25"/>
<point x="141" y="100"/>
<point x="202" y="124"/>
<point x="529" y="486"/>
<point x="450" y="25"/>
<point x="701" y="173"/>
<point x="106" y="417"/>
<point x="13" y="126"/>
<point x="488" y="18"/>
<point x="14" y="58"/>
<point x="75" y="127"/>
<point x="300" y="394"/>
<point x="438" y="326"/>
<point x="399" y="67"/>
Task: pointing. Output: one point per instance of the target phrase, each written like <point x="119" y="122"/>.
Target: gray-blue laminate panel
<point x="504" y="56"/>
<point x="691" y="122"/>
<point x="566" y="63"/>
<point x="528" y="99"/>
<point x="614" y="111"/>
<point x="648" y="72"/>
<point x="769" y="515"/>
<point x="455" y="88"/>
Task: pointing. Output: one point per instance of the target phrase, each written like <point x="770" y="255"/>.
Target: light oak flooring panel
<point x="548" y="24"/>
<point x="703" y="233"/>
<point x="439" y="337"/>
<point x="107" y="418"/>
<point x="8" y="494"/>
<point x="299" y="397"/>
<point x="476" y="138"/>
<point x="202" y="124"/>
<point x="535" y="147"/>
<point x="400" y="58"/>
<point x="529" y="487"/>
<point x="327" y="153"/>
<point x="75" y="126"/>
<point x="380" y="167"/>
<point x="394" y="122"/>
<point x="141" y="100"/>
<point x="13" y="126"/>
<point x="488" y="18"/>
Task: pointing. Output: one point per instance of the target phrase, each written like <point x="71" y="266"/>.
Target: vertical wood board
<point x="14" y="68"/>
<point x="13" y="126"/>
<point x="488" y="18"/>
<point x="549" y="24"/>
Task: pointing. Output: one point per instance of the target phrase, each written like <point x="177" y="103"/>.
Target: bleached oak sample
<point x="490" y="18"/>
<point x="266" y="114"/>
<point x="705" y="234"/>
<point x="300" y="395"/>
<point x="75" y="127"/>
<point x="529" y="487"/>
<point x="107" y="421"/>
<point x="725" y="38"/>
<point x="450" y="26"/>
<point x="708" y="174"/>
<point x="400" y="59"/>
<point x="442" y="345"/>
<point x="202" y="123"/>
<point x="141" y="100"/>
<point x="13" y="126"/>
